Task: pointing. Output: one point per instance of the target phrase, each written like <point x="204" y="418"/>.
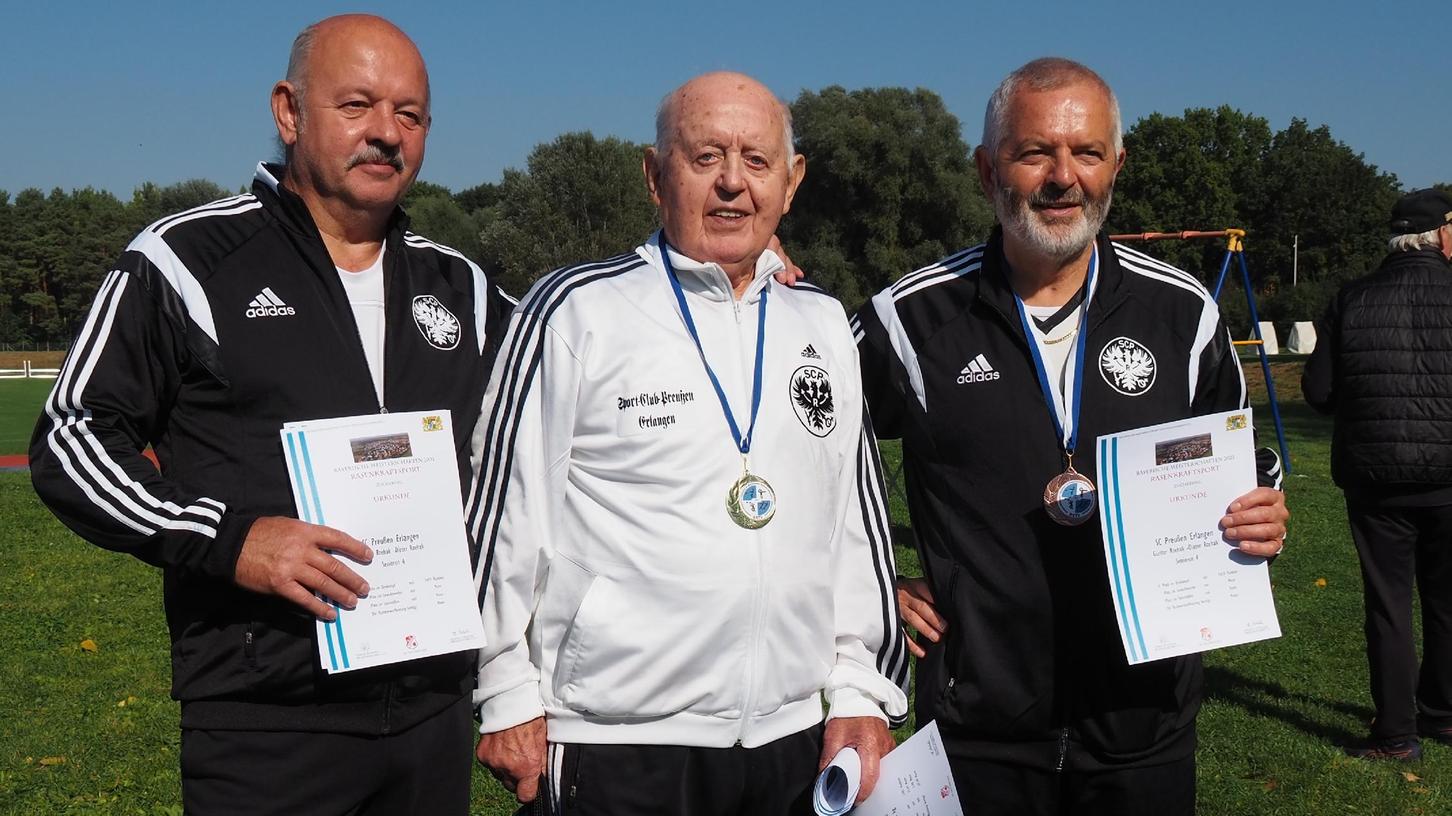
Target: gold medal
<point x="751" y="502"/>
<point x="1070" y="498"/>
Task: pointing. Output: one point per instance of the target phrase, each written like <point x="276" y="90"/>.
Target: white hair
<point x="297" y="63"/>
<point x="1043" y="74"/>
<point x="665" y="126"/>
<point x="1417" y="240"/>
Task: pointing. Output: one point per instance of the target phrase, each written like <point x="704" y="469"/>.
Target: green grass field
<point x="20" y="402"/>
<point x="90" y="728"/>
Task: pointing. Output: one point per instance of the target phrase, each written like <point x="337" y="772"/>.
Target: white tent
<point x="1267" y="334"/>
<point x="1303" y="338"/>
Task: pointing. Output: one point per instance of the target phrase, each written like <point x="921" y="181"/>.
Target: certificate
<point x="914" y="779"/>
<point x="1178" y="586"/>
<point x="392" y="482"/>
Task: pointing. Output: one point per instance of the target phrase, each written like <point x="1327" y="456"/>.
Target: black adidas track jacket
<point x="217" y="326"/>
<point x="1031" y="669"/>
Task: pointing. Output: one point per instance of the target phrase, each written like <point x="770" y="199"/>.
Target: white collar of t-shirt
<point x="365" y="296"/>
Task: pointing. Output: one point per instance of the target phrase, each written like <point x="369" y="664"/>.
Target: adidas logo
<point x="811" y="353"/>
<point x="977" y="370"/>
<point x="268" y="304"/>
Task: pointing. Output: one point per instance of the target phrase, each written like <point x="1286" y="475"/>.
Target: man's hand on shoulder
<point x="792" y="273"/>
<point x="516" y="757"/>
<point x="915" y="605"/>
<point x="866" y="735"/>
<point x="294" y="559"/>
<point x="1256" y="522"/>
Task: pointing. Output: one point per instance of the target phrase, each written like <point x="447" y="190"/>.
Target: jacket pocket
<point x="798" y="644"/>
<point x="653" y="648"/>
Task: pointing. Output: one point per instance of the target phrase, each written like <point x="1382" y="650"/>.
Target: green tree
<point x="425" y="189"/>
<point x="436" y="215"/>
<point x="1190" y="172"/>
<point x="479" y="197"/>
<point x="98" y="227"/>
<point x="37" y="249"/>
<point x="890" y="187"/>
<point x="581" y="198"/>
<point x="12" y="327"/>
<point x="1212" y="169"/>
<point x="1321" y="190"/>
<point x="151" y="202"/>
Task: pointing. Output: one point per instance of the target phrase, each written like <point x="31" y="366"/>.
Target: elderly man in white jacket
<point x="680" y="508"/>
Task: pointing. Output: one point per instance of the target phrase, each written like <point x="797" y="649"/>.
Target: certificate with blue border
<point x="1178" y="585"/>
<point x="392" y="482"/>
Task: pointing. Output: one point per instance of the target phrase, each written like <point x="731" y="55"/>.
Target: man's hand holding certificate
<point x="392" y="482"/>
<point x="1178" y="585"/>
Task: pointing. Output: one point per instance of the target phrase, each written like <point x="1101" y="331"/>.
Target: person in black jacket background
<point x="1382" y="368"/>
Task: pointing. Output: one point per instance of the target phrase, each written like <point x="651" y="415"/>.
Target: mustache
<point x="1050" y="194"/>
<point x="373" y="154"/>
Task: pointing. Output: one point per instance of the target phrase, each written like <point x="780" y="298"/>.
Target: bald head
<point x="722" y="171"/>
<point x="353" y="117"/>
<point x="707" y="89"/>
<point x="326" y="34"/>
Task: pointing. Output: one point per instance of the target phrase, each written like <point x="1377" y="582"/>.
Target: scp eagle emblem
<point x="1127" y="366"/>
<point x="811" y="393"/>
<point x="438" y="325"/>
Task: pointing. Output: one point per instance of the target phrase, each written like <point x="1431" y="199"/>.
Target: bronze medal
<point x="1070" y="498"/>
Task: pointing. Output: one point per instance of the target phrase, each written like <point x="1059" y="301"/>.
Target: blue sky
<point x="111" y="94"/>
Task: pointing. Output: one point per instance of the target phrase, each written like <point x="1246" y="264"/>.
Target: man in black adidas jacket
<point x="1039" y="711"/>
<point x="217" y="326"/>
<point x="1383" y="368"/>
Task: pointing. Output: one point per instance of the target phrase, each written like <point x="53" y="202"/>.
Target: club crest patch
<point x="438" y="325"/>
<point x="1127" y="366"/>
<point x="811" y="394"/>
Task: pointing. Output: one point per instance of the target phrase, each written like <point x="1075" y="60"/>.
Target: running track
<point x="20" y="461"/>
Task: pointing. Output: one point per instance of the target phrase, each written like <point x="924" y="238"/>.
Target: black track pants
<point x="665" y="780"/>
<point x="424" y="770"/>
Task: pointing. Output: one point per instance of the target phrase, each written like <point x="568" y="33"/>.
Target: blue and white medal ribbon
<point x="750" y="502"/>
<point x="1069" y="498"/>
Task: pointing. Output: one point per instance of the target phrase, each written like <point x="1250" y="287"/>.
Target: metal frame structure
<point x="1234" y="248"/>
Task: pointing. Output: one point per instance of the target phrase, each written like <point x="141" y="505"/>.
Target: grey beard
<point x="1018" y="220"/>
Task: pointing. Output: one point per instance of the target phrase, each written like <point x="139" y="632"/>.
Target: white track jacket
<point x="619" y="599"/>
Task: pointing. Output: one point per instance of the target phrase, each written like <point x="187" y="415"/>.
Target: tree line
<point x="890" y="187"/>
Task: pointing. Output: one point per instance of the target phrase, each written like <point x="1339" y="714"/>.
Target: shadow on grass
<point x="1294" y="708"/>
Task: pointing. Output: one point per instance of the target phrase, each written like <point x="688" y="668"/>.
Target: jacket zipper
<point x="947" y="656"/>
<point x="1063" y="749"/>
<point x="387" y="709"/>
<point x="759" y="602"/>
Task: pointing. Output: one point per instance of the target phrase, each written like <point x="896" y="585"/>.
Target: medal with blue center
<point x="750" y="502"/>
<point x="1069" y="498"/>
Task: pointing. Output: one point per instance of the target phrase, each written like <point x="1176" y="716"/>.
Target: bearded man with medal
<point x="998" y="367"/>
<point x="680" y="508"/>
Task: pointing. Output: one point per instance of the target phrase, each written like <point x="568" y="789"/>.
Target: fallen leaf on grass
<point x="126" y="702"/>
<point x="1419" y="789"/>
<point x="53" y="760"/>
<point x="89" y="645"/>
<point x="1270" y="785"/>
<point x="1411" y="777"/>
<point x="1321" y="582"/>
